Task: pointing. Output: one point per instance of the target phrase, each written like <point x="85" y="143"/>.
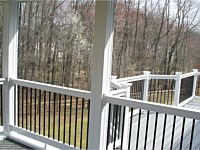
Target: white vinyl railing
<point x="119" y="95"/>
<point x="148" y="90"/>
<point x="52" y="88"/>
<point x="160" y="108"/>
<point x="38" y="103"/>
<point x="153" y="123"/>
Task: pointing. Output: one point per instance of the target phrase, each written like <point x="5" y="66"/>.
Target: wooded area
<point x="55" y="39"/>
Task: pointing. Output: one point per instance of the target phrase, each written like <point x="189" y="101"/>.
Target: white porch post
<point x="10" y="48"/>
<point x="177" y="88"/>
<point x="146" y="85"/>
<point x="126" y="119"/>
<point x="101" y="73"/>
<point x="194" y="83"/>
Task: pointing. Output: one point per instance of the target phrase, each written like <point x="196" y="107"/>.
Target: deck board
<point x="12" y="145"/>
<point x="168" y="130"/>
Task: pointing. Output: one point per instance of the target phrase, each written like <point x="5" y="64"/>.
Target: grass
<point x="35" y="106"/>
<point x="52" y="129"/>
<point x="164" y="98"/>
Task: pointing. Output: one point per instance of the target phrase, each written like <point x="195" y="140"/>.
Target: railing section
<point x="186" y="88"/>
<point x="151" y="126"/>
<point x="137" y="89"/>
<point x="55" y="115"/>
<point x="164" y="89"/>
<point x="136" y="84"/>
<point x="197" y="93"/>
<point x="161" y="91"/>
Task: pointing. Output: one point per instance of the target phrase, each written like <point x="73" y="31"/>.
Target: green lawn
<point x="46" y="130"/>
<point x="163" y="98"/>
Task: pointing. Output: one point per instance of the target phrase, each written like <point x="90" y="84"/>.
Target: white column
<point x="10" y="47"/>
<point x="126" y="119"/>
<point x="101" y="73"/>
<point x="146" y="85"/>
<point x="194" y="83"/>
<point x="177" y="88"/>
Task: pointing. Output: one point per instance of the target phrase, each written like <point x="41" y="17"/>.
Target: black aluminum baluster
<point x="123" y="122"/>
<point x="31" y="106"/>
<point x="150" y="89"/>
<point x="88" y="123"/>
<point x="82" y="115"/>
<point x="70" y="119"/>
<point x="164" y="129"/>
<point x="115" y="126"/>
<point x="182" y="133"/>
<point x="18" y="103"/>
<point x="26" y="107"/>
<point x="35" y="110"/>
<point x="138" y="129"/>
<point x="44" y="114"/>
<point x="142" y="88"/>
<point x="197" y="86"/>
<point x="137" y="90"/>
<point x="39" y="101"/>
<point x="108" y="130"/>
<point x="49" y="116"/>
<point x="60" y="96"/>
<point x="169" y="87"/>
<point x="172" y="93"/>
<point x="146" y="132"/>
<point x="192" y="133"/>
<point x="2" y="106"/>
<point x="155" y="130"/>
<point x="158" y="92"/>
<point x="119" y="122"/>
<point x="113" y="120"/>
<point x="131" y="121"/>
<point x="168" y="96"/>
<point x="54" y="114"/>
<point x="22" y="107"/>
<point x="64" y="127"/>
<point x="161" y="93"/>
<point x="154" y="90"/>
<point x="76" y="122"/>
<point x="173" y="129"/>
<point x="15" y="104"/>
<point x="132" y="90"/>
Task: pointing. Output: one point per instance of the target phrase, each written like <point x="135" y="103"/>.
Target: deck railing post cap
<point x="178" y="73"/>
<point x="195" y="70"/>
<point x="146" y="72"/>
<point x="113" y="77"/>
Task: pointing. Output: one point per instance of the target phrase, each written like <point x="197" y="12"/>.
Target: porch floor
<point x="12" y="145"/>
<point x="195" y="104"/>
